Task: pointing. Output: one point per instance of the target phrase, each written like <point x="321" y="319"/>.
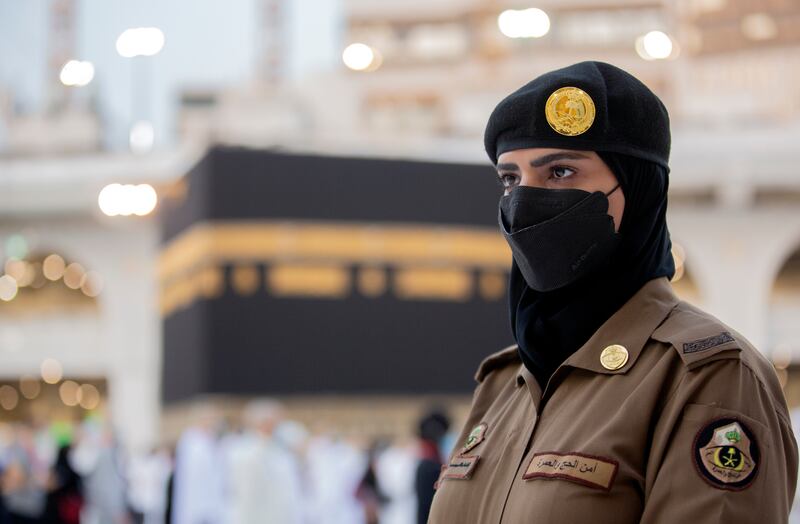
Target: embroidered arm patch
<point x="726" y="454"/>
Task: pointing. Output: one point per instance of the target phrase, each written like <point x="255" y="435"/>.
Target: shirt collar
<point x="630" y="327"/>
<point x="524" y="376"/>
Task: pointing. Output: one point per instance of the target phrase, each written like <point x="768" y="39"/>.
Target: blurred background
<point x="250" y="260"/>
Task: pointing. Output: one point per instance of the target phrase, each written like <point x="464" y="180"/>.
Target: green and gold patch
<point x="726" y="454"/>
<point x="474" y="438"/>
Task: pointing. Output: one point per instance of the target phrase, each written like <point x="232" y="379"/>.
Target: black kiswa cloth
<point x="551" y="326"/>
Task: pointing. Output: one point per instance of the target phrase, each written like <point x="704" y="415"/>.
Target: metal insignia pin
<point x="569" y="111"/>
<point x="475" y="437"/>
<point x="614" y="357"/>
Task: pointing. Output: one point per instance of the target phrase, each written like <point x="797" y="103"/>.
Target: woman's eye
<point x="562" y="172"/>
<point x="507" y="180"/>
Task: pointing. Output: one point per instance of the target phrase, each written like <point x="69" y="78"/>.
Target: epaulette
<point x="697" y="336"/>
<point x="496" y="360"/>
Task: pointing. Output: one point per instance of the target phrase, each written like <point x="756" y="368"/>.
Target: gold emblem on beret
<point x="569" y="111"/>
<point x="614" y="357"/>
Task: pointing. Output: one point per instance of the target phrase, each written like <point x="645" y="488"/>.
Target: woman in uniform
<point x="619" y="403"/>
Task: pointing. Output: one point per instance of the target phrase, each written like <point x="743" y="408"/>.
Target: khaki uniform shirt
<point x="692" y="428"/>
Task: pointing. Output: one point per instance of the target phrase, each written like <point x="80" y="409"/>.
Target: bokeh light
<point x="8" y="397"/>
<point x="77" y="73"/>
<point x="73" y="275"/>
<point x="30" y="386"/>
<point x="92" y="284"/>
<point x="22" y="271"/>
<point x="142" y="137"/>
<point x="525" y="23"/>
<point x="89" y="396"/>
<point x="51" y="371"/>
<point x="109" y="199"/>
<point x="358" y="56"/>
<point x="140" y="41"/>
<point x="29" y="274"/>
<point x="15" y="268"/>
<point x="8" y="288"/>
<point x="53" y="267"/>
<point x="143" y="199"/>
<point x="655" y="45"/>
<point x="126" y="200"/>
<point x="16" y="246"/>
<point x="69" y="392"/>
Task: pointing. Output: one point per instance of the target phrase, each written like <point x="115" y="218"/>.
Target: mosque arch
<point x="783" y="329"/>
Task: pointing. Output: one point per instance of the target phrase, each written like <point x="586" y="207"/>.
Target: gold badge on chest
<point x="614" y="357"/>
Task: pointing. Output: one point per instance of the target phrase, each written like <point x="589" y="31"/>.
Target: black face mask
<point x="557" y="236"/>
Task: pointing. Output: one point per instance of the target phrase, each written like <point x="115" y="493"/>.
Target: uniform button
<point x="614" y="357"/>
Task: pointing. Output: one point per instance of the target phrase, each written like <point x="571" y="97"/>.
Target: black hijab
<point x="551" y="326"/>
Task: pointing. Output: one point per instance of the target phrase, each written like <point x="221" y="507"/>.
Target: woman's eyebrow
<point x="508" y="167"/>
<point x="546" y="159"/>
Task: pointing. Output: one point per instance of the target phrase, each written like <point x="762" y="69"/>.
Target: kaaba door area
<point x="330" y="282"/>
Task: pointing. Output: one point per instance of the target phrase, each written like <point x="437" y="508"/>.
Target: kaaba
<point x="305" y="274"/>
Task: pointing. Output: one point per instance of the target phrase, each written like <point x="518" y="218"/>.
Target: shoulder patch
<point x="707" y="343"/>
<point x="726" y="454"/>
<point x="495" y="361"/>
<point x="697" y="336"/>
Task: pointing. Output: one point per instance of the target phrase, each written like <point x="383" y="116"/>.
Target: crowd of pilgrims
<point x="269" y="469"/>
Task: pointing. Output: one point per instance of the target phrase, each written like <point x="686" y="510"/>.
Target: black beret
<point x="595" y="107"/>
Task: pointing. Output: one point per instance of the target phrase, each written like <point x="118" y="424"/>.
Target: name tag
<point x="589" y="470"/>
<point x="461" y="467"/>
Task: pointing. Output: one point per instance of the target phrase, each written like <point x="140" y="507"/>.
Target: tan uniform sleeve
<point x="723" y="450"/>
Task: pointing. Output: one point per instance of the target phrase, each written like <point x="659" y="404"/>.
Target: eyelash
<point x="502" y="177"/>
